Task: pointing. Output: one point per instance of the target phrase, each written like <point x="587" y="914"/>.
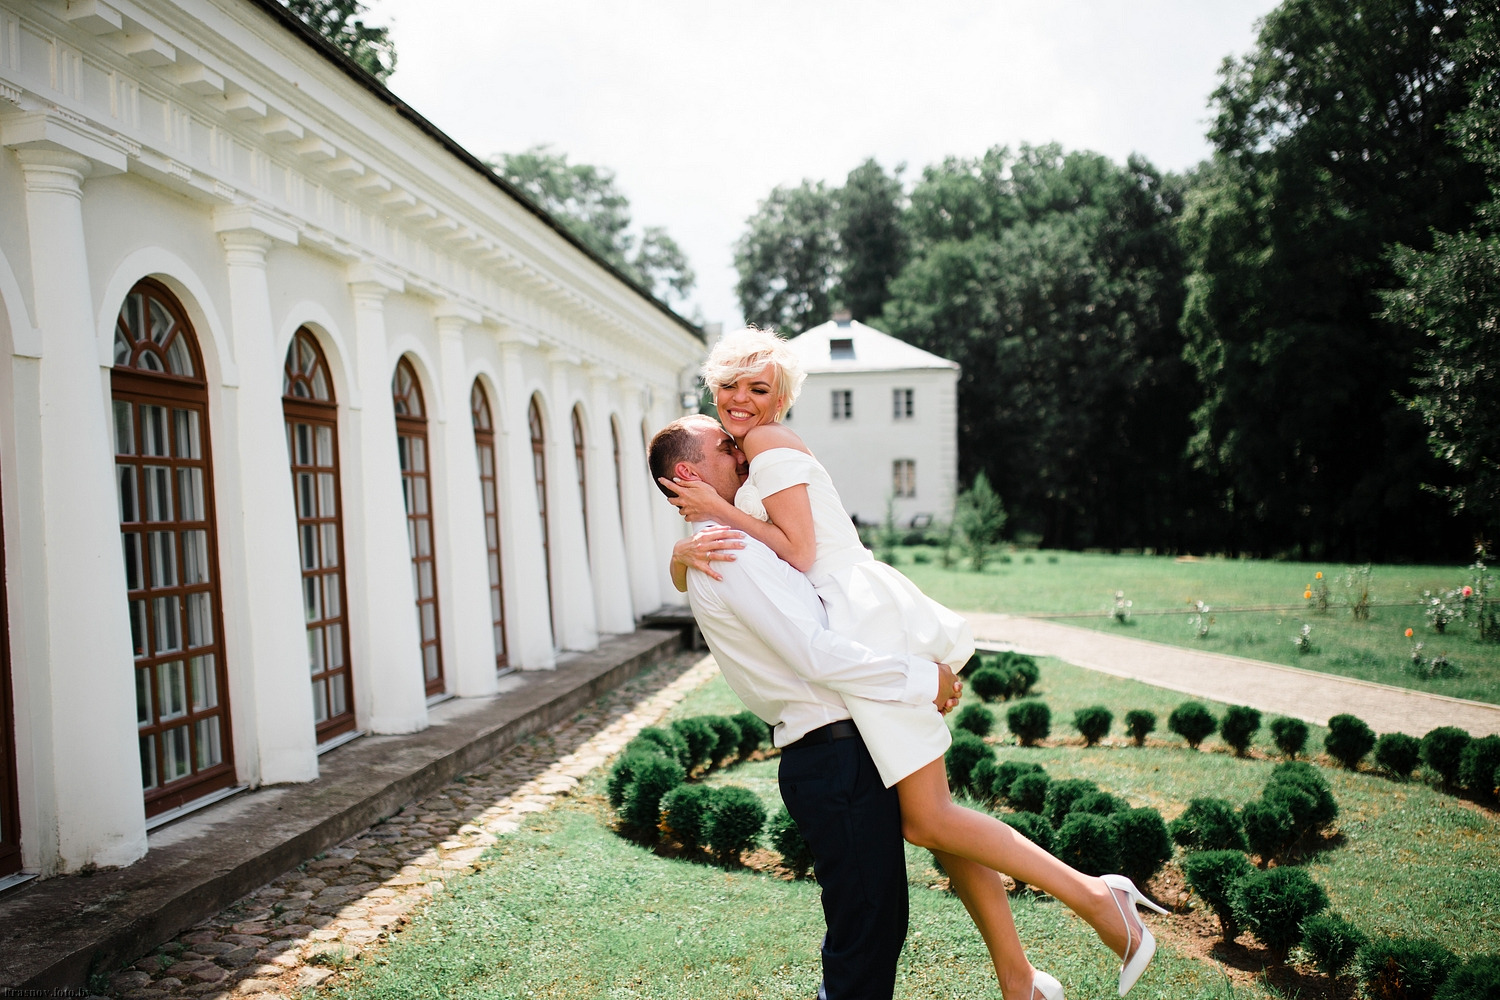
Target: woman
<point x="789" y="503"/>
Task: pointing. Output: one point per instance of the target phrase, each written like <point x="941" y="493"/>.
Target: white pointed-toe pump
<point x="1137" y="960"/>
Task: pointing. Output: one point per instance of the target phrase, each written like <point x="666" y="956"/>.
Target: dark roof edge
<point x="360" y="75"/>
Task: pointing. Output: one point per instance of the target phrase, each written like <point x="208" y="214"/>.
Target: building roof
<point x="822" y="349"/>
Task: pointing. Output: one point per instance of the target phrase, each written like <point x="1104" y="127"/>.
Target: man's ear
<point x="686" y="472"/>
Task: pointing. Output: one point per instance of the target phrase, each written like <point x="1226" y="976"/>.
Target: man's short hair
<point x="679" y="441"/>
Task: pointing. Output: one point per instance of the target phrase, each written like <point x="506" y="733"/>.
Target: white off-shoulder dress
<point x="872" y="603"/>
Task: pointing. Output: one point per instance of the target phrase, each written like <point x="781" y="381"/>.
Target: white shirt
<point x="769" y="633"/>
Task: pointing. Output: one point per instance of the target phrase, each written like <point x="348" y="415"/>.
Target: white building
<point x="882" y="417"/>
<point x="367" y="428"/>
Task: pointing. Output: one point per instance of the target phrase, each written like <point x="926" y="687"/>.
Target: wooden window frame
<point x="902" y="404"/>
<point x="416" y="484"/>
<point x="489" y="497"/>
<point x="318" y="413"/>
<point x="581" y="458"/>
<point x="843" y="405"/>
<point x="538" y="429"/>
<point x="904" y="478"/>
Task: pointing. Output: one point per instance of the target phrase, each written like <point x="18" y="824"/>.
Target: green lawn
<point x="566" y="909"/>
<point x="1079" y="588"/>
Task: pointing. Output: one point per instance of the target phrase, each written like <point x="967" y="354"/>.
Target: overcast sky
<point x="702" y="107"/>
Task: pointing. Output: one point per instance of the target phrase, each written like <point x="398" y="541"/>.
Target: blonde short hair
<point x="745" y="352"/>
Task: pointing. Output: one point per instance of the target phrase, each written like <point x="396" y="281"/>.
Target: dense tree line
<point x="1291" y="349"/>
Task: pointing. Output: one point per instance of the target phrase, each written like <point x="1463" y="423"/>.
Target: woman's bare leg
<point x="983" y="894"/>
<point x="931" y="819"/>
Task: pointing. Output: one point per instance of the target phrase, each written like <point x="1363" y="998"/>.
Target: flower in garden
<point x="1408" y="633"/>
<point x="1307" y="594"/>
<point x="1468" y="591"/>
<point x="1318" y="575"/>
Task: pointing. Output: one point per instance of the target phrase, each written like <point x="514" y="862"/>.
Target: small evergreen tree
<point x="1214" y="876"/>
<point x="1332" y="942"/>
<point x="1193" y="722"/>
<point x="1030" y="721"/>
<point x="1139" y="724"/>
<point x="1208" y="824"/>
<point x="1290" y="735"/>
<point x="1398" y="754"/>
<point x="1238" y="727"/>
<point x="1093" y="723"/>
<point x="1275" y="903"/>
<point x="795" y="853"/>
<point x="975" y="719"/>
<point x="735" y="823"/>
<point x="980" y="517"/>
<point x="1443" y="750"/>
<point x="1348" y="740"/>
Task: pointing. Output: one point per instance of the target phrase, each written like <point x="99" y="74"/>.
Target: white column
<point x="528" y="612"/>
<point x="572" y="580"/>
<point x="640" y="498"/>
<point x="382" y="604"/>
<point x="612" y="599"/>
<point x="88" y="724"/>
<point x="464" y="577"/>
<point x="271" y="657"/>
<point x="669" y="524"/>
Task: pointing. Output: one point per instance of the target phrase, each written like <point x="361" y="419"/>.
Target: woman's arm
<point x="701" y="550"/>
<point x="698" y="502"/>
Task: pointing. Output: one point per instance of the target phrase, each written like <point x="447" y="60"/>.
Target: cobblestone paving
<point x="296" y="931"/>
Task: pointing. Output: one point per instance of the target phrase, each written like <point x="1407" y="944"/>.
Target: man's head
<point x="697" y="448"/>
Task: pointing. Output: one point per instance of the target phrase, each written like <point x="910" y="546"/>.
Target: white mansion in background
<point x="308" y="420"/>
<point x="882" y="417"/>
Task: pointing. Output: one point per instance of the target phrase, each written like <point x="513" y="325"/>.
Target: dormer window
<point x="841" y="349"/>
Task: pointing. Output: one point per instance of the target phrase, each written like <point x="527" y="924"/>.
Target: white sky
<point x="702" y="106"/>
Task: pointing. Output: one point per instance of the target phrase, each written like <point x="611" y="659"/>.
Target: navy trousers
<point x="852" y="823"/>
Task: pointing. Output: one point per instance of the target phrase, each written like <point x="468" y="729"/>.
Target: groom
<point x="768" y="632"/>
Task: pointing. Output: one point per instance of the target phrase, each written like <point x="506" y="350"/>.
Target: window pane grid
<point x="411" y="446"/>
<point x="539" y="471"/>
<point x="843" y="404"/>
<point x="580" y="456"/>
<point x="484" y="448"/>
<point x="904" y="477"/>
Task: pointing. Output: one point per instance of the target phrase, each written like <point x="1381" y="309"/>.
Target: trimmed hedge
<point x="1476" y="979"/>
<point x="1028" y="793"/>
<point x="1477" y="766"/>
<point x="1213" y="876"/>
<point x="1269" y="830"/>
<point x="1348" y="740"/>
<point x="1443" y="750"/>
<point x="1063" y="795"/>
<point x="990" y="684"/>
<point x="788" y="841"/>
<point x="754" y="733"/>
<point x="1030" y="721"/>
<point x="1007" y="771"/>
<point x="652" y="778"/>
<point x="1193" y="722"/>
<point x="1033" y="826"/>
<point x="727" y="742"/>
<point x="1208" y="824"/>
<point x="963" y="753"/>
<point x="700" y="738"/>
<point x="1332" y="942"/>
<point x="975" y="719"/>
<point x="1398" y="754"/>
<point x="668" y="742"/>
<point x="1139" y="724"/>
<point x="1239" y="726"/>
<point x="1404" y="968"/>
<point x="1088" y="843"/>
<point x="1093" y="723"/>
<point x="738" y="816"/>
<point x="1315" y="806"/>
<point x="1289" y="735"/>
<point x="1275" y="903"/>
<point x="685" y="811"/>
<point x="1145" y="845"/>
<point x="982" y="780"/>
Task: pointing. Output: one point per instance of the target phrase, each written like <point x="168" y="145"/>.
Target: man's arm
<point x="757" y="590"/>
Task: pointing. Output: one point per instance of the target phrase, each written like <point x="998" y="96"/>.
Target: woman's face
<point x="748" y="402"/>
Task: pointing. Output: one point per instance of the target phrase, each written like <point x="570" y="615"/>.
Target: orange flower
<point x="1408" y="633"/>
<point x="1319" y="575"/>
<point x="1307" y="594"/>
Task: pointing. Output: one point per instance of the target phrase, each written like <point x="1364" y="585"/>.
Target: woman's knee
<point x="920" y="831"/>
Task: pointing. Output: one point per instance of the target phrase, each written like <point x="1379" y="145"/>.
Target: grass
<point x="1080" y="588"/>
<point x="565" y="908"/>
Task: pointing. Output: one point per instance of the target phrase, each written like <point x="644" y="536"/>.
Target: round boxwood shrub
<point x="1476" y="979"/>
<point x="975" y="719"/>
<point x="990" y="684"/>
<point x="727" y="738"/>
<point x="1144" y="844"/>
<point x="1028" y="793"/>
<point x="1031" y="721"/>
<point x="1239" y="726"/>
<point x="963" y="753"/>
<point x="1033" y="826"/>
<point x="1087" y="842"/>
<point x="652" y="778"/>
<point x="1006" y="772"/>
<point x="1269" y="828"/>
<point x="1193" y="722"/>
<point x="982" y="781"/>
<point x="1213" y="876"/>
<point x="1289" y="735"/>
<point x="754" y="733"/>
<point x="1063" y="795"/>
<point x="1139" y="724"/>
<point x="1319" y="808"/>
<point x="618" y="782"/>
<point x="1024" y="674"/>
<point x="700" y="739"/>
<point x="736" y="821"/>
<point x="1093" y="723"/>
<point x="1208" y="824"/>
<point x="1332" y="942"/>
<point x="665" y="741"/>
<point x="1443" y="750"/>
<point x="1398" y="753"/>
<point x="1477" y="764"/>
<point x="1404" y="968"/>
<point x="684" y="814"/>
<point x="788" y="841"/>
<point x="1348" y="740"/>
<point x="1274" y="903"/>
<point x="1100" y="804"/>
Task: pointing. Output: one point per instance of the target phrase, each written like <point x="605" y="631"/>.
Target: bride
<point x="790" y="504"/>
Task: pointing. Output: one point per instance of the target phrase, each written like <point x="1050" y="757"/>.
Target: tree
<point x="980" y="515"/>
<point x="1327" y="148"/>
<point x="586" y="200"/>
<point x="1450" y="296"/>
<point x="787" y="259"/>
<point x="871" y="240"/>
<point x="339" y="21"/>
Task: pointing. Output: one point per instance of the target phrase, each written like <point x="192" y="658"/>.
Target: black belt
<point x="841" y="730"/>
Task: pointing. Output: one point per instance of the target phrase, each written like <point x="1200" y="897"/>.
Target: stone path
<point x="1303" y="694"/>
<point x="299" y="929"/>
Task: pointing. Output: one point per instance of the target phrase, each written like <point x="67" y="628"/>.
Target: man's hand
<point x="950" y="688"/>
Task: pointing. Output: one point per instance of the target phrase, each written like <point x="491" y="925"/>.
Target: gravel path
<point x="296" y="931"/>
<point x="1303" y="694"/>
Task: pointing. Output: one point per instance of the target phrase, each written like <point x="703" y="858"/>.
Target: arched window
<point x="539" y="472"/>
<point x="312" y="442"/>
<point x="614" y="434"/>
<point x="164" y="476"/>
<point x="10" y="804"/>
<point x="484" y="450"/>
<point x="580" y="457"/>
<point x="411" y="442"/>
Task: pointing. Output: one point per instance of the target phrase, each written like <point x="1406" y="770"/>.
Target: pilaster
<point x="644" y="559"/>
<point x="612" y="597"/>
<point x="528" y="603"/>
<point x="577" y="624"/>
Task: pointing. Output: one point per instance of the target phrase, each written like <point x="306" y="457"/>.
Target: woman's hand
<point x="706" y="547"/>
<point x="696" y="500"/>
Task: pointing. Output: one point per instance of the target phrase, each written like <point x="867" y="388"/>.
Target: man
<point x="768" y="632"/>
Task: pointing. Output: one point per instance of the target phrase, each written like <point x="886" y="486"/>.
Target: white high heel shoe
<point x="1135" y="962"/>
<point x="1045" y="986"/>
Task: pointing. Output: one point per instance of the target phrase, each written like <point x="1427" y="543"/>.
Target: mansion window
<point x="904" y="477"/>
<point x="416" y="486"/>
<point x="901" y="404"/>
<point x="539" y="473"/>
<point x="843" y="404"/>
<point x="580" y="457"/>
<point x="164" y="479"/>
<point x="484" y="451"/>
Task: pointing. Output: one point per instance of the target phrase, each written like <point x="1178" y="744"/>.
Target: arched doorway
<point x="484" y="451"/>
<point x="416" y="485"/>
<point x="164" y="476"/>
<point x="312" y="442"/>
